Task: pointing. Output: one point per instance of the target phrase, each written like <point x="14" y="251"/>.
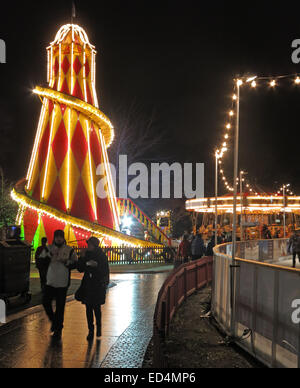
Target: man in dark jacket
<point x="92" y="292"/>
<point x="198" y="248"/>
<point x="294" y="247"/>
<point x="211" y="245"/>
<point x="42" y="261"/>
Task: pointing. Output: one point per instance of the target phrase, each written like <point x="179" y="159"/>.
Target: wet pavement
<point x="127" y="320"/>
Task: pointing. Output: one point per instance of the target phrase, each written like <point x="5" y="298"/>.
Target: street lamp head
<point x="251" y="79"/>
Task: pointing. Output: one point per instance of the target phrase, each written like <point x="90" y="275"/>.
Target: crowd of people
<point x="196" y="246"/>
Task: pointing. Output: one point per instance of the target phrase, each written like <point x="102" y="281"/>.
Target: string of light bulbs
<point x="223" y="148"/>
<point x="285" y="189"/>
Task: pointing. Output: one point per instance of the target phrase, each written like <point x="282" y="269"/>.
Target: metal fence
<point x="125" y="255"/>
<point x="254" y="301"/>
<point x="182" y="282"/>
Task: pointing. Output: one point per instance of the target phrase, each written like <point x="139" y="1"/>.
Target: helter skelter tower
<point x="71" y="142"/>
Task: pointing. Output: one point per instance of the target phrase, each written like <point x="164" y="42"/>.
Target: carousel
<point x="256" y="214"/>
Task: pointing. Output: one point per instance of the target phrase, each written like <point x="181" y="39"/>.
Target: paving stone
<point x="127" y="321"/>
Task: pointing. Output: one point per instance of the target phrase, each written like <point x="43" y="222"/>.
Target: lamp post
<point x="235" y="169"/>
<point x="283" y="192"/>
<point x="242" y="173"/>
<point x="216" y="197"/>
<point x="241" y="194"/>
<point x="239" y="82"/>
<point x="284" y="187"/>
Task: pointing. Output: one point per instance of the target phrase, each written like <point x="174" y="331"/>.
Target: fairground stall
<point x="276" y="212"/>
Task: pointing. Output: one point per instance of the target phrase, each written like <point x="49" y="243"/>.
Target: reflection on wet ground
<point x="126" y="326"/>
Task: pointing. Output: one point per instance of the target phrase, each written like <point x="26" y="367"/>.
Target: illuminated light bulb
<point x="228" y="126"/>
<point x="224" y="149"/>
<point x="239" y="82"/>
<point x="253" y="84"/>
<point x="234" y="97"/>
<point x="297" y="81"/>
<point x="251" y="79"/>
<point x="224" y="179"/>
<point x="226" y="136"/>
<point x="273" y="83"/>
<point x="225" y="144"/>
<point x="221" y="171"/>
<point x="231" y="113"/>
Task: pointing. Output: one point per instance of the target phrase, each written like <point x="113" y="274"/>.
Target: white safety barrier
<point x="2" y="311"/>
<point x="257" y="302"/>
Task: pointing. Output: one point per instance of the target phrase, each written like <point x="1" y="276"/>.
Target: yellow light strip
<point x="60" y="69"/>
<point x="48" y="66"/>
<point x="94" y="79"/>
<point x="87" y="109"/>
<point x="72" y="68"/>
<point x="51" y="68"/>
<point x="48" y="153"/>
<point x="69" y="156"/>
<point x="36" y="144"/>
<point x="267" y="198"/>
<point x="20" y="215"/>
<point x="110" y="184"/>
<point x="94" y="229"/>
<point x="91" y="170"/>
<point x="84" y="73"/>
<point x="64" y="30"/>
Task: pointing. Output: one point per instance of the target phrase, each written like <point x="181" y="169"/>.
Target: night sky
<point x="175" y="57"/>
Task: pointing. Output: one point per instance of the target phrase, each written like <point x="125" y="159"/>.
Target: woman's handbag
<point x="80" y="294"/>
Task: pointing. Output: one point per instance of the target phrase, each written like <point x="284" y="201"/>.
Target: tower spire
<point x="73" y="12"/>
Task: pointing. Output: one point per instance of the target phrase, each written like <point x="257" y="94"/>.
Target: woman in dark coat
<point x="92" y="292"/>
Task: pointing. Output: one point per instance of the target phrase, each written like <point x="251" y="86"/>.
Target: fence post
<point x="185" y="283"/>
<point x="206" y="272"/>
<point x="275" y="318"/>
<point x="168" y="307"/>
<point x="176" y="292"/>
<point x="163" y="320"/>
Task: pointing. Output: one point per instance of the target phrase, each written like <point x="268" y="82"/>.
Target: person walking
<point x="266" y="234"/>
<point x="198" y="248"/>
<point x="92" y="292"/>
<point x="63" y="260"/>
<point x="211" y="244"/>
<point x="184" y="249"/>
<point x="294" y="247"/>
<point x="42" y="261"/>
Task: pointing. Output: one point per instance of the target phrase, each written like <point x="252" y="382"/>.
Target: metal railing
<point x="125" y="255"/>
<point x="181" y="283"/>
<point x="254" y="300"/>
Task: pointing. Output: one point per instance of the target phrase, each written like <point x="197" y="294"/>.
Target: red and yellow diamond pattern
<point x="69" y="144"/>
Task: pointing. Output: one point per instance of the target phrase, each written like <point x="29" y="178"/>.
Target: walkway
<point x="127" y="330"/>
<point x="287" y="263"/>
